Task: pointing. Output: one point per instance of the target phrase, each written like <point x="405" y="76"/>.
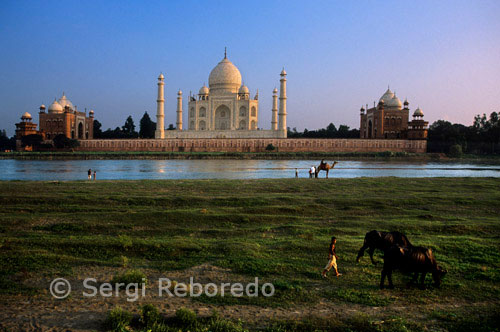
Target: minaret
<point x="282" y="112"/>
<point x="160" y="107"/>
<point x="179" y="110"/>
<point x="274" y="119"/>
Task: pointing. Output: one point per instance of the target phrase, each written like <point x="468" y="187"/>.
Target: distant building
<point x="26" y="126"/>
<point x="224" y="109"/>
<point x="389" y="119"/>
<point x="63" y="118"/>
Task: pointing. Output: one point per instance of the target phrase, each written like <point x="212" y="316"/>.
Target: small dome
<point x="406" y="103"/>
<point x="161" y="77"/>
<point x="63" y="101"/>
<point x="91" y="112"/>
<point x="244" y="89"/>
<point x="394" y="102"/>
<point x="179" y="93"/>
<point x="26" y="115"/>
<point x="418" y="112"/>
<point x="225" y="76"/>
<point x="275" y="91"/>
<point x="42" y="107"/>
<point x="204" y="90"/>
<point x="55" y="107"/>
<point x="283" y="72"/>
<point x="387" y="96"/>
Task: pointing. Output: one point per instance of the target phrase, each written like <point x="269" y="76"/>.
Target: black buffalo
<point x="383" y="241"/>
<point x="411" y="260"/>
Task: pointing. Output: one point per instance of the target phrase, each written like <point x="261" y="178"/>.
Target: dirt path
<point x="79" y="313"/>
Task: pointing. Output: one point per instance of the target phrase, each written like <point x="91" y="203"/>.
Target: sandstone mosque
<point x="389" y="119"/>
<point x="224" y="109"/>
<point x="61" y="118"/>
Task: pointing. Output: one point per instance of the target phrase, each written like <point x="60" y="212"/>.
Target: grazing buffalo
<point x="412" y="260"/>
<point x="383" y="241"/>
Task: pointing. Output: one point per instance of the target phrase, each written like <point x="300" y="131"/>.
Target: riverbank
<point x="236" y="230"/>
<point x="79" y="155"/>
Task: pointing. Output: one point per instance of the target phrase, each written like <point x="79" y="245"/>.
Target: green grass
<point x="278" y="230"/>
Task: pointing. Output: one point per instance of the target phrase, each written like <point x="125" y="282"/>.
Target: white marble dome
<point x="387" y="96"/>
<point x="204" y="90"/>
<point x="225" y="76"/>
<point x="55" y="107"/>
<point x="394" y="102"/>
<point x="63" y="101"/>
<point x="244" y="89"/>
<point x="418" y="112"/>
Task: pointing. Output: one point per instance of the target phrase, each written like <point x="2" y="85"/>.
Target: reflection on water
<point x="229" y="169"/>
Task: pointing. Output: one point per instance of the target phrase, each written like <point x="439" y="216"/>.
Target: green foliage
<point x="128" y="129"/>
<point x="63" y="142"/>
<point x="270" y="147"/>
<point x="130" y="277"/>
<point x="329" y="132"/>
<point x="150" y="315"/>
<point x="483" y="137"/>
<point x="147" y="127"/>
<point x="97" y="131"/>
<point x="186" y="317"/>
<point x="118" y="320"/>
<point x="6" y="143"/>
<point x="33" y="140"/>
<point x="455" y="151"/>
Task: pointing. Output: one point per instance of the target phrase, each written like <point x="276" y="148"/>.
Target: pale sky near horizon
<point x="444" y="56"/>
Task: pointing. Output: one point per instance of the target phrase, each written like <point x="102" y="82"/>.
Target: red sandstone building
<point x="26" y="126"/>
<point x="63" y="118"/>
<point x="390" y="120"/>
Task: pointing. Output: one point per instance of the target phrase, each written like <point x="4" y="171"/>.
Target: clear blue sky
<point x="106" y="55"/>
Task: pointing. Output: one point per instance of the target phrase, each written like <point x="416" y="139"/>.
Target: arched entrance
<point x="80" y="130"/>
<point x="202" y="125"/>
<point x="370" y="128"/>
<point x="222" y="118"/>
<point x="243" y="125"/>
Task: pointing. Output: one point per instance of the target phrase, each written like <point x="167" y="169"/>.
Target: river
<point x="48" y="170"/>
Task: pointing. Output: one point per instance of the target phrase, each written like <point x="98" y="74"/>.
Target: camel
<point x="323" y="166"/>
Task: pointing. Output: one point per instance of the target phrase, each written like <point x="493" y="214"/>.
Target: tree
<point x="62" y="142"/>
<point x="31" y="140"/>
<point x="171" y="127"/>
<point x="147" y="127"/>
<point x="128" y="128"/>
<point x="97" y="129"/>
<point x="6" y="143"/>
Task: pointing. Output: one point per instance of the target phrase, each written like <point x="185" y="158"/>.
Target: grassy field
<point x="277" y="230"/>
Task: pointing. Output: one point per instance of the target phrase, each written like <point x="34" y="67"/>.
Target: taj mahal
<point x="224" y="109"/>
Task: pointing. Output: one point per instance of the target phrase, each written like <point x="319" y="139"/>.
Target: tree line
<point x="147" y="129"/>
<point x="482" y="137"/>
<point x="329" y="132"/>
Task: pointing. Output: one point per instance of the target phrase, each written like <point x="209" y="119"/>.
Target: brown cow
<point x="382" y="241"/>
<point x="413" y="260"/>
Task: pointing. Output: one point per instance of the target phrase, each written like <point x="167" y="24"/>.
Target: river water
<point x="12" y="169"/>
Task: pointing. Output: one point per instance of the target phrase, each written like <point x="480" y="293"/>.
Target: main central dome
<point x="224" y="77"/>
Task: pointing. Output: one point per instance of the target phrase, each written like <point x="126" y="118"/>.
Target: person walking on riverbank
<point x="332" y="259"/>
<point x="89" y="174"/>
<point x="312" y="171"/>
<point x="95" y="174"/>
<point x="296" y="173"/>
